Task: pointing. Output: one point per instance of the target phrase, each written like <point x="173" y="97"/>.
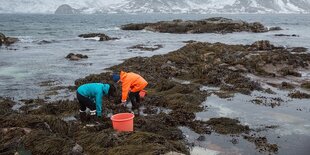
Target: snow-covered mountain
<point x="164" y="6"/>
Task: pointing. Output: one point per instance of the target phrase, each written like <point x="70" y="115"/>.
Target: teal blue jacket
<point x="95" y="92"/>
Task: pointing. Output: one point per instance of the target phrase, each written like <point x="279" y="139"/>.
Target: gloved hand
<point x="123" y="104"/>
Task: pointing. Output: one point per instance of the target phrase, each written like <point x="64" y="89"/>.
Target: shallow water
<point x="291" y="120"/>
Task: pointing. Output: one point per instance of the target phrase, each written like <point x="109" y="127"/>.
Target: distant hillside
<point x="151" y="6"/>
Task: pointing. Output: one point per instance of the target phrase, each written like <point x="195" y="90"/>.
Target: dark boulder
<point x="7" y="41"/>
<point x="102" y="36"/>
<point x="286" y="35"/>
<point x="277" y="28"/>
<point x="143" y="47"/>
<point x="299" y="49"/>
<point x="72" y="56"/>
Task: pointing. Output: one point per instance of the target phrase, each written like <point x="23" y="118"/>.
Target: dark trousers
<point x="85" y="102"/>
<point x="135" y="99"/>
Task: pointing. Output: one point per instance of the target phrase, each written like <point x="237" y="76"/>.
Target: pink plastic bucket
<point x="123" y="121"/>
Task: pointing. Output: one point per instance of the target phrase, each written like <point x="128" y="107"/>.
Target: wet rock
<point x="234" y="141"/>
<point x="275" y="28"/>
<point x="267" y="101"/>
<point x="161" y="124"/>
<point x="77" y="149"/>
<point x="305" y="85"/>
<point x="299" y="95"/>
<point x="262" y="144"/>
<point x="262" y="45"/>
<point x="269" y="91"/>
<point x="143" y="47"/>
<point x="42" y="42"/>
<point x="224" y="125"/>
<point x="201" y="138"/>
<point x="6" y="105"/>
<point x="150" y="110"/>
<point x="182" y="117"/>
<point x="10" y="140"/>
<point x="189" y="41"/>
<point x="75" y="57"/>
<point x="299" y="50"/>
<point x="287" y="71"/>
<point x="102" y="36"/>
<point x="286" y="35"/>
<point x="141" y="142"/>
<point x="7" y="41"/>
<point x="57" y="108"/>
<point x="238" y="67"/>
<point x="47" y="143"/>
<point x="33" y="101"/>
<point x="210" y="25"/>
<point x="286" y="85"/>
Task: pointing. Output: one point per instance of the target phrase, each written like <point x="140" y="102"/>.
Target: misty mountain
<point x="66" y="9"/>
<point x="162" y="6"/>
<point x="215" y="6"/>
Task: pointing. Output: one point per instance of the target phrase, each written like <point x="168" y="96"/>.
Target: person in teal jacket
<point x="90" y="96"/>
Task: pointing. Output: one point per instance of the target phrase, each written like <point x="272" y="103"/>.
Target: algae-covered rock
<point x="143" y="47"/>
<point x="299" y="95"/>
<point x="262" y="143"/>
<point x="210" y="25"/>
<point x="72" y="56"/>
<point x="6" y="105"/>
<point x="224" y="125"/>
<point x="153" y="144"/>
<point x="305" y="85"/>
<point x="7" y="41"/>
<point x="102" y="36"/>
<point x="276" y="28"/>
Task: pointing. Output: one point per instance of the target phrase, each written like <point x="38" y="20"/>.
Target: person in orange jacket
<point x="132" y="84"/>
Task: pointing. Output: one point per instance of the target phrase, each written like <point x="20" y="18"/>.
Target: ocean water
<point x="29" y="62"/>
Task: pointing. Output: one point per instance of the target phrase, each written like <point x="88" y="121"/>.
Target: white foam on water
<point x="203" y="151"/>
<point x="25" y="39"/>
<point x="110" y="29"/>
<point x="15" y="72"/>
<point x="93" y="38"/>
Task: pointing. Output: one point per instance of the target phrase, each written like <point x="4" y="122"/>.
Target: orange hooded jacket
<point x="131" y="82"/>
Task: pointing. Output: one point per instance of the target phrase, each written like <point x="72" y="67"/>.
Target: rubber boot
<point x="93" y="117"/>
<point x="83" y="116"/>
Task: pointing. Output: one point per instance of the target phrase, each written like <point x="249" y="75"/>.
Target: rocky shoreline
<point x="43" y="127"/>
